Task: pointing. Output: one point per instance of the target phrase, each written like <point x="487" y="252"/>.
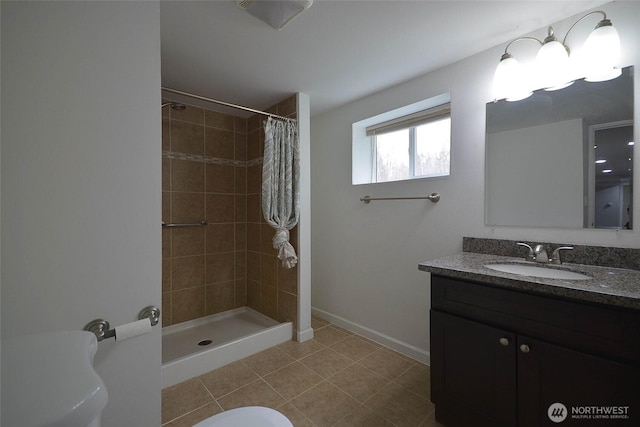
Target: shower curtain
<point x="281" y="184"/>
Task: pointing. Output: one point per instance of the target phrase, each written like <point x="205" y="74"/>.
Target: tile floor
<point x="336" y="379"/>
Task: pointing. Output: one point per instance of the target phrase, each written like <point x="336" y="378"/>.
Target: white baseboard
<point x="305" y="335"/>
<point x="409" y="350"/>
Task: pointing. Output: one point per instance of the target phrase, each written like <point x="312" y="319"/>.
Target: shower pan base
<point x="190" y="349"/>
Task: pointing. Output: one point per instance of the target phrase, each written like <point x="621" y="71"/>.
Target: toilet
<point x="54" y="373"/>
<point x="247" y="416"/>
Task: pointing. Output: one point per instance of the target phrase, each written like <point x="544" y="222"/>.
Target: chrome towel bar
<point x="200" y="224"/>
<point x="434" y="197"/>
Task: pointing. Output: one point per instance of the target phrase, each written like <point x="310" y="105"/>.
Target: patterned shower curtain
<point x="281" y="185"/>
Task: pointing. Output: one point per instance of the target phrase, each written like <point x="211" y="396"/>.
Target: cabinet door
<point x="592" y="390"/>
<point x="473" y="373"/>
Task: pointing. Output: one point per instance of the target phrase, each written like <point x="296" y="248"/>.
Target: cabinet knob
<point x="524" y="348"/>
<point x="504" y="341"/>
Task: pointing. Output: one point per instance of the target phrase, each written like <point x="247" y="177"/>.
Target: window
<point x="407" y="143"/>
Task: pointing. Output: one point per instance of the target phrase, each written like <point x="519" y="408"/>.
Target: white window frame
<point x="363" y="145"/>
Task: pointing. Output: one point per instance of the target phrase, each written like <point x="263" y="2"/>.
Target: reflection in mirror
<point x="562" y="158"/>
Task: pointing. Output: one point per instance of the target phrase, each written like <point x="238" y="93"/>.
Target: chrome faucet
<point x="530" y="256"/>
<point x="539" y="254"/>
<point x="555" y="256"/>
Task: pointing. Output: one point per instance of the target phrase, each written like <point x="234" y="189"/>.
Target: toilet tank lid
<point x="48" y="380"/>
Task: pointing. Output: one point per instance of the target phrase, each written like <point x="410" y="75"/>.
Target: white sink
<point x="535" y="271"/>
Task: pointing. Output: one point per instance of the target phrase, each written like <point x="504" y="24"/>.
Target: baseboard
<point x="401" y="347"/>
<point x="305" y="335"/>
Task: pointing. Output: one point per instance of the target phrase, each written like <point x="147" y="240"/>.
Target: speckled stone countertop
<point x="611" y="286"/>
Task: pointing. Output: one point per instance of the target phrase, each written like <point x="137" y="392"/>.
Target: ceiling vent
<point x="276" y="13"/>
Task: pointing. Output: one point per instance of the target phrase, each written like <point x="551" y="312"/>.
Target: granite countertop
<point x="611" y="286"/>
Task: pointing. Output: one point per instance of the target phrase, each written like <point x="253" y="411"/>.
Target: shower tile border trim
<point x="210" y="160"/>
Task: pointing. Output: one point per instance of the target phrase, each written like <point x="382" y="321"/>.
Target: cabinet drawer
<point x="596" y="329"/>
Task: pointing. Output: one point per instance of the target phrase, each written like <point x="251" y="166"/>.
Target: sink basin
<point x="535" y="271"/>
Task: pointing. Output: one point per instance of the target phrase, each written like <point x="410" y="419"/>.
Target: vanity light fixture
<point x="554" y="68"/>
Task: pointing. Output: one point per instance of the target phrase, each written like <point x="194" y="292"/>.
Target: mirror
<point x="562" y="158"/>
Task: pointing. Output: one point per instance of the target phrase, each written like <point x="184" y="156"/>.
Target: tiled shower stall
<point x="212" y="170"/>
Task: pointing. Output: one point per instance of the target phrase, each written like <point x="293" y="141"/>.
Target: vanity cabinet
<point x="501" y="358"/>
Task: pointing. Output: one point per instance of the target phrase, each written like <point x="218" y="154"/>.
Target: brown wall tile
<point x="240" y="180"/>
<point x="166" y="134"/>
<point x="254" y="208"/>
<point x="190" y="114"/>
<point x="253" y="237"/>
<point x="241" y="293"/>
<point x="187" y="138"/>
<point x="166" y="243"/>
<point x="220" y="297"/>
<point x="254" y="144"/>
<point x="220" y="208"/>
<point x="187" y="207"/>
<point x="187" y="304"/>
<point x="187" y="272"/>
<point x="219" y="143"/>
<point x="219" y="120"/>
<point x="241" y="236"/>
<point x="220" y="267"/>
<point x="220" y="238"/>
<point x="240" y="146"/>
<point x="220" y="178"/>
<point x="240" y="208"/>
<point x="254" y="179"/>
<point x="187" y="175"/>
<point x="269" y="270"/>
<point x="166" y="275"/>
<point x="187" y="241"/>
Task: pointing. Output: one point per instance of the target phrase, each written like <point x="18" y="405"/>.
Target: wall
<point x="81" y="176"/>
<point x="365" y="275"/>
<point x="204" y="176"/>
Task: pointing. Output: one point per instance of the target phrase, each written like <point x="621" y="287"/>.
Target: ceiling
<point x="336" y="51"/>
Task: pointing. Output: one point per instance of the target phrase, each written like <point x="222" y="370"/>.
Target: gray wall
<point x="365" y="257"/>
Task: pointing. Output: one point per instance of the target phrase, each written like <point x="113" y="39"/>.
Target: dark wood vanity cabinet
<point x="501" y="358"/>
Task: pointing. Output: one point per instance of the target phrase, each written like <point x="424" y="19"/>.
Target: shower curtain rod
<point x="226" y="104"/>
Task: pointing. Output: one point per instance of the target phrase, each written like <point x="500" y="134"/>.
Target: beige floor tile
<point x="359" y="382"/>
<point x="293" y="380"/>
<point x="267" y="361"/>
<point x="317" y="323"/>
<point x="329" y="335"/>
<point x="296" y="417"/>
<point x="355" y="348"/>
<point x="324" y="404"/>
<point x="326" y="362"/>
<point x="228" y="378"/>
<point x="417" y="379"/>
<point x="183" y="398"/>
<point x="402" y="408"/>
<point x="362" y="416"/>
<point x="386" y="363"/>
<point x="196" y="416"/>
<point x="257" y="393"/>
<point x="299" y="350"/>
